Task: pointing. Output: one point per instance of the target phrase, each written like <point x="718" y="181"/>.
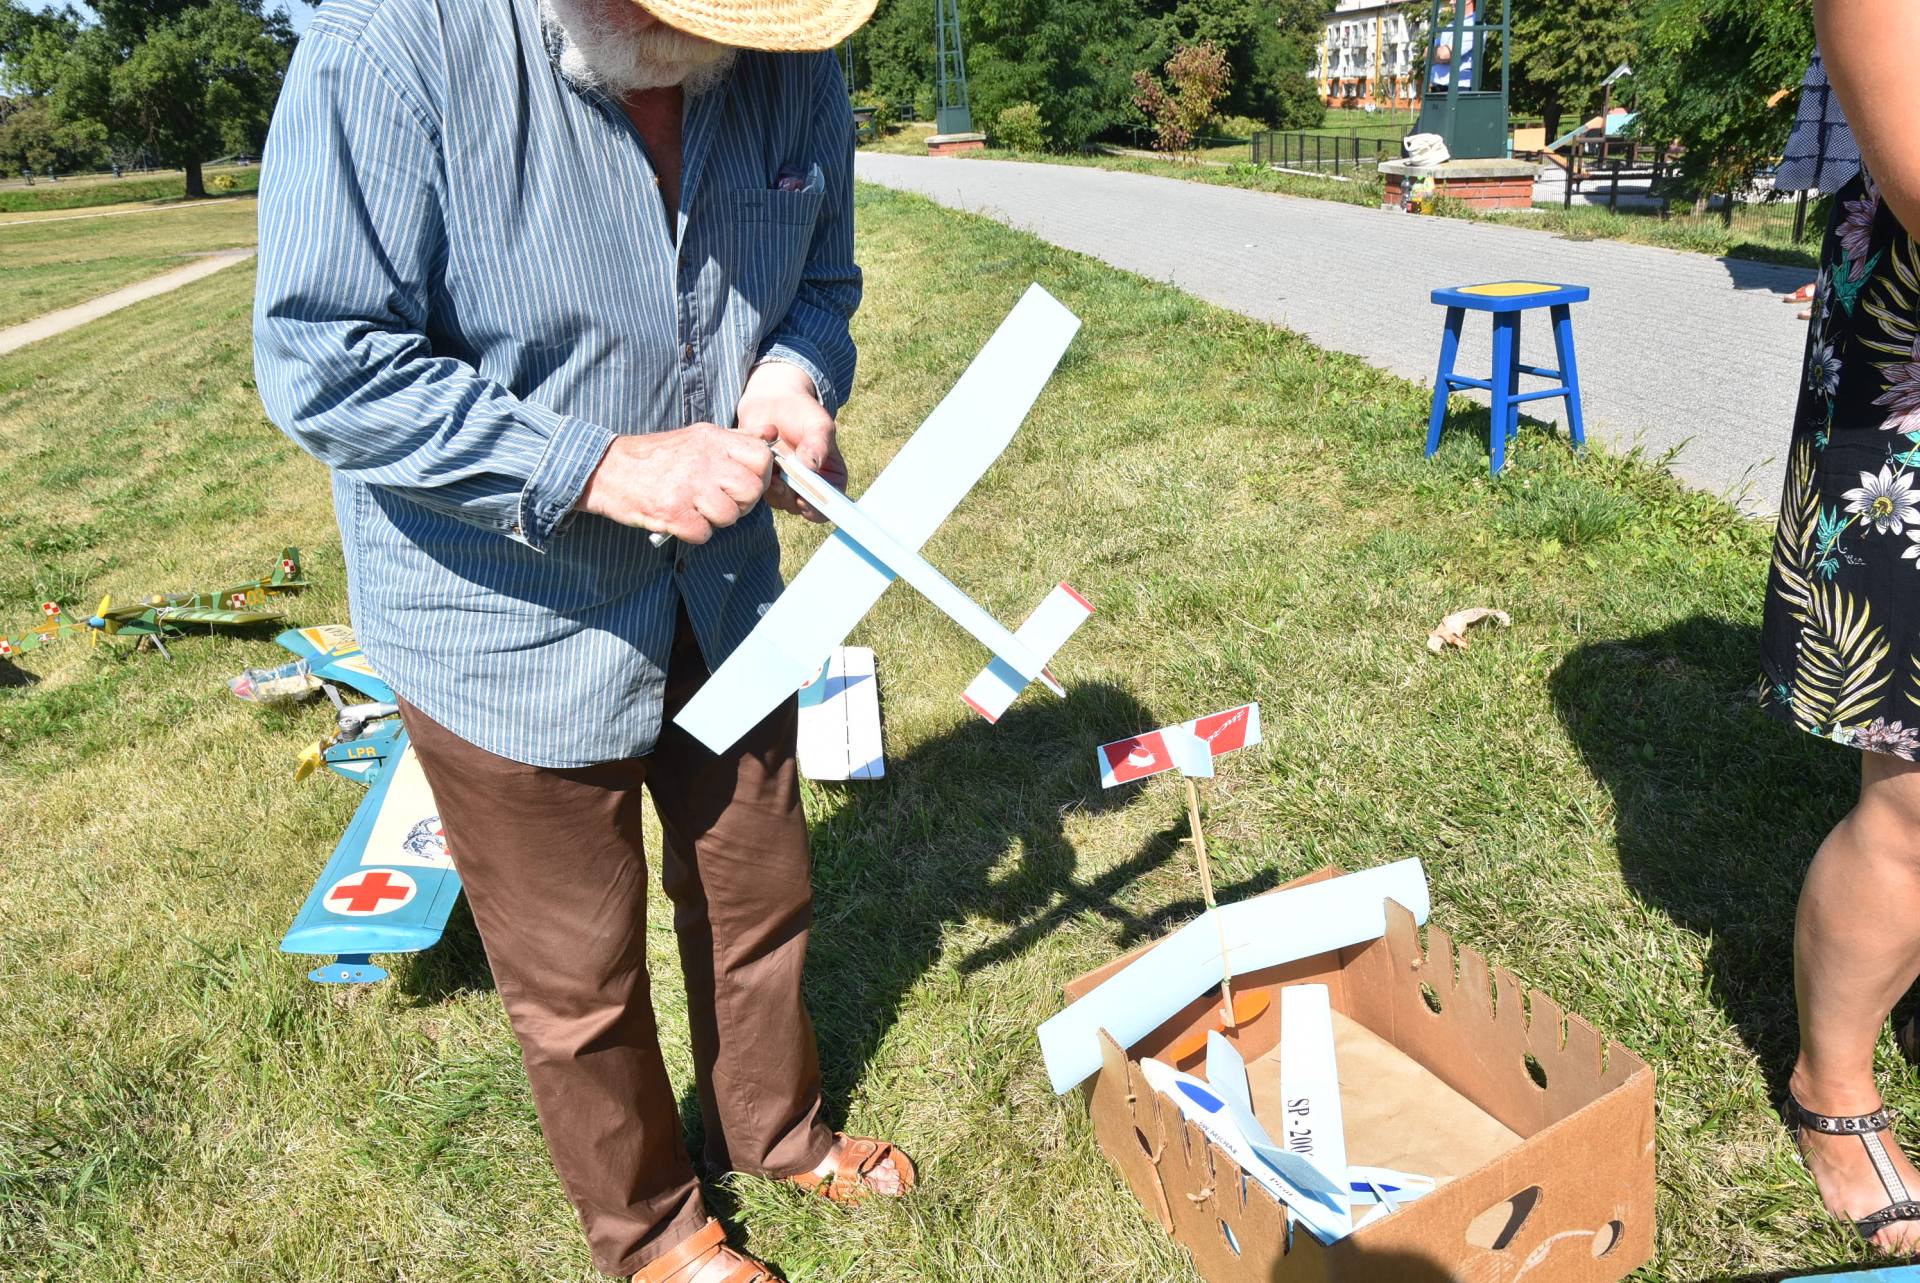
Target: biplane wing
<point x="332" y="654"/>
<point x="226" y="616"/>
<point x="390" y="883"/>
<point x="878" y="539"/>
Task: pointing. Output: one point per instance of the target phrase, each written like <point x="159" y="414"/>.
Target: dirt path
<point x="67" y="318"/>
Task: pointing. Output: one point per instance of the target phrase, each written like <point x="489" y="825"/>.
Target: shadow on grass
<point x="12" y="676"/>
<point x="970" y="826"/>
<point x="1718" y="809"/>
<point x="967" y="826"/>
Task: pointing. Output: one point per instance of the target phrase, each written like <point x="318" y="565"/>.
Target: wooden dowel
<point x="1206" y="892"/>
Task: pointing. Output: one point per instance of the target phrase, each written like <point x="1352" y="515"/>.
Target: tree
<point x="1270" y="48"/>
<point x="183" y="79"/>
<point x="1197" y="77"/>
<point x="204" y="81"/>
<point x="1071" y="58"/>
<point x="31" y="137"/>
<point x="1561" y="53"/>
<point x="1718" y="77"/>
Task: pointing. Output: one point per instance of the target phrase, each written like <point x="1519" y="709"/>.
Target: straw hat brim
<point x="777" y="25"/>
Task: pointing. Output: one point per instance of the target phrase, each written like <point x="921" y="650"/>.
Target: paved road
<point x="51" y="323"/>
<point x="1676" y="350"/>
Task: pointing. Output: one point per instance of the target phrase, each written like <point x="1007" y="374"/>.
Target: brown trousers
<point x="556" y="877"/>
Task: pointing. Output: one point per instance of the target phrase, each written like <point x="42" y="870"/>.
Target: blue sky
<point x="302" y="13"/>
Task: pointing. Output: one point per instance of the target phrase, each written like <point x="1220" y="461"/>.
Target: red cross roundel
<point x="371" y="892"/>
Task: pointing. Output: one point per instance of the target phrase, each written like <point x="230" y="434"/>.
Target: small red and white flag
<point x="50" y="609"/>
<point x="287" y="567"/>
<point x="1190" y="746"/>
<point x="238" y="600"/>
<point x="371" y="892"/>
<point x="6" y="648"/>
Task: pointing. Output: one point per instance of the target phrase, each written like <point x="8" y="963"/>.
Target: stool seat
<point x="1507" y="302"/>
<point x="1508" y="296"/>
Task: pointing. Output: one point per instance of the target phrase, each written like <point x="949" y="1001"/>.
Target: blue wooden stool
<point x="1508" y="301"/>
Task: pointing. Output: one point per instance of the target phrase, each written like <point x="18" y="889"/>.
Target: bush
<point x="884" y="118"/>
<point x="1181" y="109"/>
<point x="1239" y="128"/>
<point x="222" y="183"/>
<point x="1020" y="128"/>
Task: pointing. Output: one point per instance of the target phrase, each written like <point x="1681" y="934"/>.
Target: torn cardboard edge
<point x="1572" y="1200"/>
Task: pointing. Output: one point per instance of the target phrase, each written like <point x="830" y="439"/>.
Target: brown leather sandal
<point x="704" y="1257"/>
<point x="857" y="1156"/>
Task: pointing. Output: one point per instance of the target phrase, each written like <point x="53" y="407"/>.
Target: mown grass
<point x="50" y="264"/>
<point x="87" y="192"/>
<point x="1764" y="233"/>
<point x="1599" y="805"/>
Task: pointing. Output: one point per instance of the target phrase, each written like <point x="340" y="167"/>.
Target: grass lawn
<point x="92" y="189"/>
<point x="908" y="139"/>
<point x="56" y="262"/>
<point x="1598" y="803"/>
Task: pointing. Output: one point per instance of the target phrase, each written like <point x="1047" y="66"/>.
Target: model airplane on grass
<point x="390" y="883"/>
<point x="162" y="615"/>
<point x="878" y="540"/>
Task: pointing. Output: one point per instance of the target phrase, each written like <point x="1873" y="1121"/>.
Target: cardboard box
<point x="1445" y="1070"/>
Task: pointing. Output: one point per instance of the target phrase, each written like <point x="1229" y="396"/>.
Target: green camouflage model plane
<point x="162" y="615"/>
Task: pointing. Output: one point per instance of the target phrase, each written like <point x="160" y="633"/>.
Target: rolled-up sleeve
<point x="350" y="239"/>
<point x="814" y="335"/>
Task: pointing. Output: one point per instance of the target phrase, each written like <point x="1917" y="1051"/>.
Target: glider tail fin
<point x="1047" y="629"/>
<point x="288" y="571"/>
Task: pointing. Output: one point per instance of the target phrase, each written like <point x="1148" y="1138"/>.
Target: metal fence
<point x="1323" y="153"/>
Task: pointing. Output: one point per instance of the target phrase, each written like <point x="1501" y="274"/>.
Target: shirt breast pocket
<point x="771" y="231"/>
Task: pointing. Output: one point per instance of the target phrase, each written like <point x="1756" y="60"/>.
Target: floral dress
<point x="1841" y="641"/>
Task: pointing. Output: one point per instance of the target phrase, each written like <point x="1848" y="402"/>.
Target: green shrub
<point x="884" y="118"/>
<point x="1238" y="128"/>
<point x="222" y="183"/>
<point x="1020" y="128"/>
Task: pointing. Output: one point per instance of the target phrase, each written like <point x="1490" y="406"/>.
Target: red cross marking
<point x="370" y="892"/>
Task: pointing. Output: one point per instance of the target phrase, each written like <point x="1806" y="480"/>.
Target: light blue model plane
<point x="390" y="884"/>
<point x="879" y="538"/>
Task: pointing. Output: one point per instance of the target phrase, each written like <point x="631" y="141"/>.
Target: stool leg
<point x="1502" y="381"/>
<point x="1513" y="377"/>
<point x="1442" y="385"/>
<point x="1569" y="372"/>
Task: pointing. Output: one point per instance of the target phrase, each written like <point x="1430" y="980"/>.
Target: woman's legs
<point x="1856" y="950"/>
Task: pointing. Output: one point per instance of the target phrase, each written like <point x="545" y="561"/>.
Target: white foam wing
<point x="934" y="470"/>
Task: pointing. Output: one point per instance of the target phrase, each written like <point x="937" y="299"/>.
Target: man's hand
<point x="686" y="483"/>
<point x="779" y="404"/>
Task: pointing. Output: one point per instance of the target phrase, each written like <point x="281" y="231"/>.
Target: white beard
<point x="602" y="49"/>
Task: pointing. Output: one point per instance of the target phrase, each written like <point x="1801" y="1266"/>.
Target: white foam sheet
<point x="1265" y="931"/>
<point x="1311" y="1125"/>
<point x="840" y="719"/>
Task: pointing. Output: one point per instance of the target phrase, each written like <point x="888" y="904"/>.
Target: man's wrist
<point x="777" y="376"/>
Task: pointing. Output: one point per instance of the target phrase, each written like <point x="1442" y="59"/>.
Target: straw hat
<point x="780" y="25"/>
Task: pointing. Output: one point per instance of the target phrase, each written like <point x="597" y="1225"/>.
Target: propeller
<point x="312" y="758"/>
<point x="99" y="623"/>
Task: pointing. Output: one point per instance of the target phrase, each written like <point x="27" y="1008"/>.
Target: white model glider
<point x="879" y="538"/>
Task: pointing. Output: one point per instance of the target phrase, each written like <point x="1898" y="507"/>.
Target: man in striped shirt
<point x="538" y="279"/>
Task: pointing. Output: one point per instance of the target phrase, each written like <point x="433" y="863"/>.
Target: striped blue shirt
<point x="468" y="286"/>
